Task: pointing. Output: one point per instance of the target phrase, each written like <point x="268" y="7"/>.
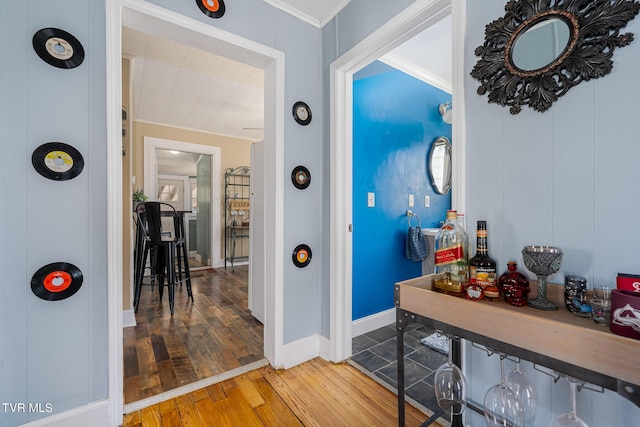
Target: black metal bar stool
<point x="163" y="246"/>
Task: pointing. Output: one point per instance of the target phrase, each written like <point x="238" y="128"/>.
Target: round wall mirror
<point x="440" y="165"/>
<point x="541" y="44"/>
<point x="539" y="50"/>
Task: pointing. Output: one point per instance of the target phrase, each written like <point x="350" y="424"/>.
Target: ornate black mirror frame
<point x="594" y="33"/>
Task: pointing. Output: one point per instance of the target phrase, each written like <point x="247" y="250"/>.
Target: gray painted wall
<point x="566" y="177"/>
<point x="579" y="153"/>
<point x="52" y="352"/>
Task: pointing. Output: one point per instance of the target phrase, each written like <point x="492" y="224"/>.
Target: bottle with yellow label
<point x="451" y="254"/>
<point x="482" y="268"/>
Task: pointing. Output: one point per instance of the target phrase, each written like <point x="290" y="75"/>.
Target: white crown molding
<point x="295" y="12"/>
<point x="316" y="21"/>
<point x="403" y="65"/>
<point x="186" y="128"/>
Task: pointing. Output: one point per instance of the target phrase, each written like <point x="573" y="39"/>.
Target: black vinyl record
<point x="301" y="256"/>
<point x="56" y="281"/>
<point x="300" y="177"/>
<point x="58" y="48"/>
<point x="212" y="8"/>
<point x="57" y="161"/>
<point x="301" y="113"/>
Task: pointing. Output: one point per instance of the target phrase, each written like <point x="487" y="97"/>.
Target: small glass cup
<point x="602" y="292"/>
<point x="601" y="311"/>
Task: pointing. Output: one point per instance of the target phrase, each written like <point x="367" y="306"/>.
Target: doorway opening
<point x="407" y="24"/>
<point x="153" y="19"/>
<point x="174" y="171"/>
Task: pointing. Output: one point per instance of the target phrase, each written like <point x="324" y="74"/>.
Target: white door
<point x="257" y="247"/>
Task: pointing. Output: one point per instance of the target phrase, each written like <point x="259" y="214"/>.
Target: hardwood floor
<point x="212" y="335"/>
<point x="316" y="393"/>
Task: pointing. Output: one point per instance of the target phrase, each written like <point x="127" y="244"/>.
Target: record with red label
<point x="301" y="256"/>
<point x="58" y="48"/>
<point x="212" y="8"/>
<point x="300" y="177"/>
<point x="57" y="161"/>
<point x="56" y="281"/>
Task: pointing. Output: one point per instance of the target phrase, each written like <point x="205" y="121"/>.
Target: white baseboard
<point x="325" y="348"/>
<point x="93" y="414"/>
<point x="128" y="318"/>
<point x="373" y="322"/>
<point x="301" y="351"/>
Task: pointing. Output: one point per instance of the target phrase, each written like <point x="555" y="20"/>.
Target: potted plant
<point x="139" y="197"/>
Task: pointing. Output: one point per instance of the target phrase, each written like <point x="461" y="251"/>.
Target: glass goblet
<point x="526" y="392"/>
<point x="501" y="405"/>
<point x="450" y="386"/>
<point x="571" y="419"/>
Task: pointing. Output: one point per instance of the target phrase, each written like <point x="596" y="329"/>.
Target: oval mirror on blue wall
<point x="440" y="165"/>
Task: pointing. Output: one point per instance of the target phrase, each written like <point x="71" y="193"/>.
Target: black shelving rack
<point x="237" y="192"/>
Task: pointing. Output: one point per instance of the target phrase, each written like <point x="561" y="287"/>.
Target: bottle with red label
<point x="482" y="268"/>
<point x="451" y="252"/>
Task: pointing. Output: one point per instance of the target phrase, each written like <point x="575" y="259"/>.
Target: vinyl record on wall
<point x="58" y="48"/>
<point x="301" y="113"/>
<point x="301" y="256"/>
<point x="57" y="161"/>
<point x="56" y="281"/>
<point x="212" y="8"/>
<point x="300" y="177"/>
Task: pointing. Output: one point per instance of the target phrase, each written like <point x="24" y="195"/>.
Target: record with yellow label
<point x="56" y="281"/>
<point x="301" y="256"/>
<point x="57" y="161"/>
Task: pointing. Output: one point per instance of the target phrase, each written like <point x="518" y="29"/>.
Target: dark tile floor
<point x="375" y="352"/>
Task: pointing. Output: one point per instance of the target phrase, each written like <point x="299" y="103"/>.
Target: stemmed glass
<point x="450" y="386"/>
<point x="542" y="261"/>
<point x="571" y="419"/>
<point x="501" y="405"/>
<point x="525" y="391"/>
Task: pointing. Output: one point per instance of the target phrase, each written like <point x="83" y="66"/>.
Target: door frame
<point x="155" y="19"/>
<point x="411" y="21"/>
<point x="151" y="144"/>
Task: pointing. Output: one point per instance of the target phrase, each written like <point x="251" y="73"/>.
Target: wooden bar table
<point x="557" y="340"/>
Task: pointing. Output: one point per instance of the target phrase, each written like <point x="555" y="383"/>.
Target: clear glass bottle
<point x="452" y="252"/>
<point x="482" y="268"/>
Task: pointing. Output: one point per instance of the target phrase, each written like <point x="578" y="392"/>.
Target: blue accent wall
<point x="395" y="122"/>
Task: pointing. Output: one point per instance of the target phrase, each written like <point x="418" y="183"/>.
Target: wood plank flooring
<point x="212" y="335"/>
<point x="316" y="393"/>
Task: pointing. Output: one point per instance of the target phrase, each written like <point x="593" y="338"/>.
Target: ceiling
<point x="315" y="12"/>
<point x="180" y="86"/>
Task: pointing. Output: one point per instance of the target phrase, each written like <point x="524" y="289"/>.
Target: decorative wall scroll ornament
<point x="301" y="113"/>
<point x="57" y="161"/>
<point x="300" y="177"/>
<point x="58" y="48"/>
<point x="212" y="8"/>
<point x="301" y="256"/>
<point x="515" y="69"/>
<point x="56" y="281"/>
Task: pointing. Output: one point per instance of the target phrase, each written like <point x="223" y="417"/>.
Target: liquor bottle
<point x="451" y="253"/>
<point x="514" y="285"/>
<point x="482" y="268"/>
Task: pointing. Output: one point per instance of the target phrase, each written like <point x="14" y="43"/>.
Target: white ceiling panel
<point x="180" y="86"/>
